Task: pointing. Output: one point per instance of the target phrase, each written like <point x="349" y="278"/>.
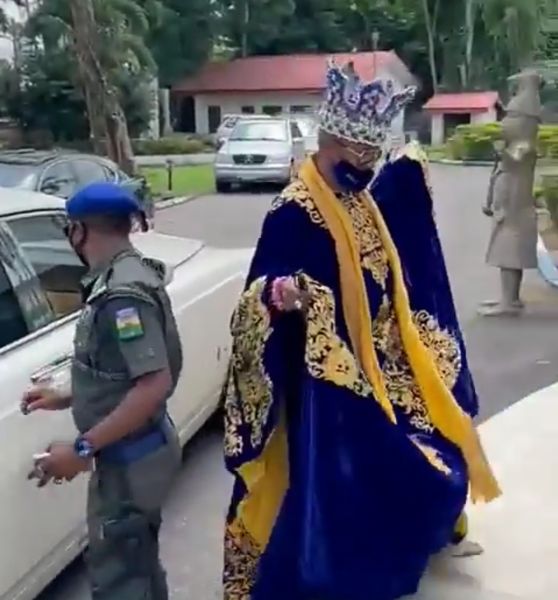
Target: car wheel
<point x="223" y="187"/>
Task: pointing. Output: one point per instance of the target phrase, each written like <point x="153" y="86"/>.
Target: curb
<point x="164" y="204"/>
<point x="461" y="163"/>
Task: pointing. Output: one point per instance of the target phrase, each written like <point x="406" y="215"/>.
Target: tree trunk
<point x="430" y="32"/>
<point x="470" y="11"/>
<point x="109" y="130"/>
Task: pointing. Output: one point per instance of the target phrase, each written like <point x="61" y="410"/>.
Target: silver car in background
<point x="308" y="126"/>
<point x="260" y="151"/>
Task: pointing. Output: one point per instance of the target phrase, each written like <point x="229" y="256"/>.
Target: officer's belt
<point x="134" y="448"/>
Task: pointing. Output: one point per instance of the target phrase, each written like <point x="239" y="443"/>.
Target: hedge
<point x="172" y="145"/>
<point x="549" y="191"/>
<point x="476" y="142"/>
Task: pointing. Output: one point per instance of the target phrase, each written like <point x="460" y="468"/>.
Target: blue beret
<point x="102" y="199"/>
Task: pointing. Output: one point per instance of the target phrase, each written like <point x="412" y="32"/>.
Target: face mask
<point x="77" y="247"/>
<point x="350" y="178"/>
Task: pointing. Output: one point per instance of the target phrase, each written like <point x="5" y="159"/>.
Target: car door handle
<point x="45" y="374"/>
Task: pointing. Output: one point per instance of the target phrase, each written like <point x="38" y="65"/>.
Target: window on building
<point x="248" y="110"/>
<point x="301" y="108"/>
<point x="213" y="118"/>
<point x="272" y="110"/>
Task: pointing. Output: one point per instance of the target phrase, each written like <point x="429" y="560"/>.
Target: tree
<point x="181" y="36"/>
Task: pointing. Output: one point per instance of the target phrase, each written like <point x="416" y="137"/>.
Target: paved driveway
<point x="510" y="358"/>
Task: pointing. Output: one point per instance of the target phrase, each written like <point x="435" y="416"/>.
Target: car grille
<point x="249" y="159"/>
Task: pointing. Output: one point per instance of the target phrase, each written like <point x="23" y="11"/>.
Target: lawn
<point x="186" y="180"/>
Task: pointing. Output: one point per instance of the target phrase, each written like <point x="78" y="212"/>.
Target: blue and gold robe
<point x="332" y="499"/>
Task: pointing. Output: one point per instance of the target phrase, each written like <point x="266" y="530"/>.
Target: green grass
<point x="186" y="180"/>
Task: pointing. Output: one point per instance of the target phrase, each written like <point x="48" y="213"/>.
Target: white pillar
<point x="437" y="131"/>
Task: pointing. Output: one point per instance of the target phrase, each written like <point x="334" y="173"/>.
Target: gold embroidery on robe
<point x="401" y="385"/>
<point x="432" y="455"/>
<point x="327" y="356"/>
<point x="242" y="556"/>
<point x="249" y="389"/>
<point x="298" y="193"/>
<point x="372" y="254"/>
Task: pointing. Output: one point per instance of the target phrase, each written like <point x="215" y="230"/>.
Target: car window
<point x="43" y="243"/>
<point x="12" y="323"/>
<point x="275" y="131"/>
<point x="88" y="171"/>
<point x="24" y="307"/>
<point x="111" y="174"/>
<point x="59" y="180"/>
<point x="17" y="176"/>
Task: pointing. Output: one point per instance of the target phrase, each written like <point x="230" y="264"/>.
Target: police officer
<point x="127" y="360"/>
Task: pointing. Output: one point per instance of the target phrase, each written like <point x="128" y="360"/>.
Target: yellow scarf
<point x="445" y="413"/>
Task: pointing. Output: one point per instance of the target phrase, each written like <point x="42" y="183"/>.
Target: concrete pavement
<point x="510" y="359"/>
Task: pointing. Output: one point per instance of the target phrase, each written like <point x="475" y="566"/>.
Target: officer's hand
<point x="42" y="398"/>
<point x="61" y="463"/>
<point x="487" y="211"/>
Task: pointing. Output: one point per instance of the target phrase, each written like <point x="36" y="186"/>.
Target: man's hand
<point x="287" y="296"/>
<point x="487" y="211"/>
<point x="43" y="398"/>
<point x="61" y="463"/>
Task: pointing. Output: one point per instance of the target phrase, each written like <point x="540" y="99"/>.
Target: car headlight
<point x="281" y="159"/>
<point x="223" y="159"/>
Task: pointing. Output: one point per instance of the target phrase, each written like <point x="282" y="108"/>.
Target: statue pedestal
<point x="519" y="530"/>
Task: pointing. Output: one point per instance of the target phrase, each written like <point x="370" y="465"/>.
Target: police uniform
<point x="126" y="330"/>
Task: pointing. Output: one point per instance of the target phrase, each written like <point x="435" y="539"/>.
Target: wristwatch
<point x="84" y="448"/>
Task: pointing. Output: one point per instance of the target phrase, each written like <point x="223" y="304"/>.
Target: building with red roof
<point x="270" y="84"/>
<point x="449" y="110"/>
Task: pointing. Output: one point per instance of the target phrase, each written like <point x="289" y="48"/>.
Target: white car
<point x="260" y="151"/>
<point x="42" y="531"/>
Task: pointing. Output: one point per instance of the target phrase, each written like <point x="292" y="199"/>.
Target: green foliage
<point x="180" y="37"/>
<point x="171" y="145"/>
<point x="476" y="142"/>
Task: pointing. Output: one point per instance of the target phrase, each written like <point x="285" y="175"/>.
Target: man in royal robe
<point x="349" y="401"/>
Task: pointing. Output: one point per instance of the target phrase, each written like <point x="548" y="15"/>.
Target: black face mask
<point x="77" y="246"/>
<point x="351" y="178"/>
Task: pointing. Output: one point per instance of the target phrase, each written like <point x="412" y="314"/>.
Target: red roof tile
<point x="295" y="72"/>
<point x="462" y="103"/>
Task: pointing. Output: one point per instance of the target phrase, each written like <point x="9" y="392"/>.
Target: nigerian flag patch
<point x="128" y="324"/>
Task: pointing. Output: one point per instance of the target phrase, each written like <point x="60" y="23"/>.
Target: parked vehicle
<point x="260" y="151"/>
<point x="309" y="129"/>
<point x="42" y="531"/>
<point x="229" y="123"/>
<point x="61" y="173"/>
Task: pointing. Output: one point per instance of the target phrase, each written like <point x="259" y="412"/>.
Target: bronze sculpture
<point x="510" y="202"/>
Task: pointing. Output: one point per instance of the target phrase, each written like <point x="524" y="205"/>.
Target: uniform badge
<point x="128" y="324"/>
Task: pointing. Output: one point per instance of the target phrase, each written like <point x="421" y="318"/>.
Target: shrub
<point x="476" y="142"/>
<point x="550" y="194"/>
<point x="171" y="145"/>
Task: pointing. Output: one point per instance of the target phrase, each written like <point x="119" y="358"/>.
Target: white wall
<point x="490" y="116"/>
<point x="438" y="130"/>
<point x="437" y="134"/>
<point x="232" y="104"/>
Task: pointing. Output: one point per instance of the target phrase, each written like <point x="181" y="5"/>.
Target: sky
<point x="6" y="45"/>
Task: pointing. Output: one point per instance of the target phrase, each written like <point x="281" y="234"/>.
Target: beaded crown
<point x="360" y="112"/>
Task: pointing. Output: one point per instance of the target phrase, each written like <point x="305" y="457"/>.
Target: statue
<point x="510" y="203"/>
